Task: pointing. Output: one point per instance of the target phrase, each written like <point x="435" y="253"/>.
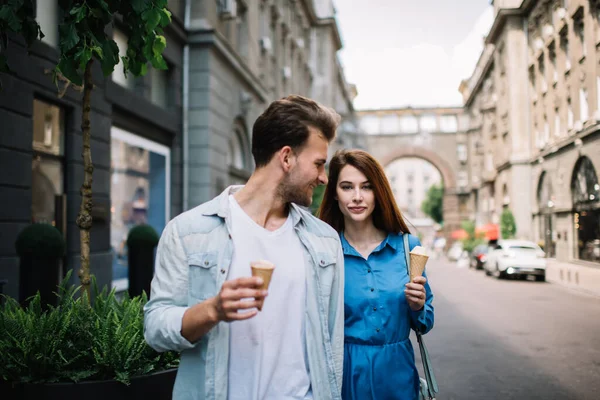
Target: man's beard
<point x="292" y="192"/>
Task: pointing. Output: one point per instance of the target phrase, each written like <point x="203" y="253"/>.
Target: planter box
<point x="157" y="386"/>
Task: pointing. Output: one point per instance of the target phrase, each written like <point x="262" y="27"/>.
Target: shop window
<point x="47" y="187"/>
<point x="585" y="190"/>
<point x="140" y="193"/>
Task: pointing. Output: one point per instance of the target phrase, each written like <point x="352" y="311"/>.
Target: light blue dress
<point x="379" y="362"/>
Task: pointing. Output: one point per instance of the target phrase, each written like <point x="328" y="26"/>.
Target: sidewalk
<point x="574" y="276"/>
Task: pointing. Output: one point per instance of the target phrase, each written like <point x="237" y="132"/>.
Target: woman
<point x="381" y="305"/>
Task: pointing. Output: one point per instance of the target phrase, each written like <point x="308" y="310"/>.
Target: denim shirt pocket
<point x="202" y="276"/>
<point x="326" y="270"/>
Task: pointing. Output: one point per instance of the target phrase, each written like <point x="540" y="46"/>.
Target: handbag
<point x="429" y="387"/>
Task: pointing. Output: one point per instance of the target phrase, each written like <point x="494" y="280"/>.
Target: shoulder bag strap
<point x="432" y="386"/>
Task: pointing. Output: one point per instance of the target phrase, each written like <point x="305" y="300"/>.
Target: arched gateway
<point x="431" y="134"/>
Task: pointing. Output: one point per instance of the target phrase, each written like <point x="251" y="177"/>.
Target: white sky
<point x="411" y="52"/>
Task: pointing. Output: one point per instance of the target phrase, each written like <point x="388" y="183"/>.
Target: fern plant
<point x="76" y="342"/>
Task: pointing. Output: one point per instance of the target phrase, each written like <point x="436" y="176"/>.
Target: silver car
<point x="518" y="258"/>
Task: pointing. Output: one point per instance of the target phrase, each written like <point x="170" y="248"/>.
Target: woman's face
<point x="354" y="194"/>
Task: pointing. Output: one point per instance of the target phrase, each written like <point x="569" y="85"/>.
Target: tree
<point x="432" y="205"/>
<point x="508" y="226"/>
<point x="16" y="16"/>
<point x="83" y="39"/>
<point x="473" y="239"/>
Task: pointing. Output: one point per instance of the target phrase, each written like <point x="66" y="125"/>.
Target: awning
<point x="489" y="231"/>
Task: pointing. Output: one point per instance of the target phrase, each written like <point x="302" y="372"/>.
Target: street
<point x="509" y="339"/>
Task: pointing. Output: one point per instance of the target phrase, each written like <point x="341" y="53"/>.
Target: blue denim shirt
<point x="192" y="262"/>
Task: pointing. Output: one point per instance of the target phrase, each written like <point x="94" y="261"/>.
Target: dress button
<point x="377" y="329"/>
<point x="374" y="308"/>
<point x="372" y="289"/>
<point x="322" y="262"/>
<point x="369" y="271"/>
<point x="223" y="271"/>
<point x="205" y="262"/>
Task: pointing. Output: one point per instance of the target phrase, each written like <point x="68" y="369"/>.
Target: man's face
<point x="308" y="170"/>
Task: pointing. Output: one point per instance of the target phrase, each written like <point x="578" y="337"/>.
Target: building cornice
<point x="332" y="22"/>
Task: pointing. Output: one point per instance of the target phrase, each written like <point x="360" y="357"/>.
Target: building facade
<point x="163" y="143"/>
<point x="534" y="145"/>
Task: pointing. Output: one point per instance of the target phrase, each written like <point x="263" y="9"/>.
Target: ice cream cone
<point x="263" y="269"/>
<point x="417" y="265"/>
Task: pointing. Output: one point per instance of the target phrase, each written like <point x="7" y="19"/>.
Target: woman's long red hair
<point x="386" y="215"/>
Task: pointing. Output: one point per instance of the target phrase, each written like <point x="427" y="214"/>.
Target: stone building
<point x="533" y="103"/>
<point x="163" y="143"/>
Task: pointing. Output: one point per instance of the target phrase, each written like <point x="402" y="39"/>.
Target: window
<point x="118" y="75"/>
<point x="598" y="93"/>
<point x="583" y="105"/>
<point x="47" y="166"/>
<point x="390" y="124"/>
<point x="463" y="179"/>
<point x="46" y="15"/>
<point x="585" y="190"/>
<point x="556" y="122"/>
<point x="552" y="57"/>
<point x="570" y="116"/>
<point x="448" y="123"/>
<point x="159" y="87"/>
<point x="139" y="192"/>
<point x="579" y="28"/>
<point x="428" y="123"/>
<point x="370" y="124"/>
<point x="409" y="124"/>
<point x="461" y="151"/>
<point x="542" y="68"/>
<point x="546" y="130"/>
<point x="564" y="45"/>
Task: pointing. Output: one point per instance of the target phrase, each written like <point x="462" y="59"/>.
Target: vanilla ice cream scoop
<point x="419" y="250"/>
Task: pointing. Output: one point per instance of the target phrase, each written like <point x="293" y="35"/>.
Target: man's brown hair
<point x="386" y="215"/>
<point x="285" y="123"/>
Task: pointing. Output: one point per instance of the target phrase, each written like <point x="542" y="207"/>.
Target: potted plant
<point x="78" y="350"/>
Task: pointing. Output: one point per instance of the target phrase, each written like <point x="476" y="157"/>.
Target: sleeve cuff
<point x="175" y="324"/>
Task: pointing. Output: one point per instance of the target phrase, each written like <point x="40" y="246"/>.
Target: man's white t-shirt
<point x="267" y="357"/>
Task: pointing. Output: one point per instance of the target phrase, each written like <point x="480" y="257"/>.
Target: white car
<point x="516" y="258"/>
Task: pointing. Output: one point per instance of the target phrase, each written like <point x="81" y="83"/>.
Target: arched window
<point x="586" y="210"/>
<point x="545" y="193"/>
<point x="584" y="183"/>
<point x="239" y="159"/>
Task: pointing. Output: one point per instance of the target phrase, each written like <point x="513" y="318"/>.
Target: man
<point x="204" y="300"/>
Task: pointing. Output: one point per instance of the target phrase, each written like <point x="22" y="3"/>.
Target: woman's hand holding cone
<point x="415" y="293"/>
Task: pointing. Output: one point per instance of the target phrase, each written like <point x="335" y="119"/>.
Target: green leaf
<point x="79" y="12"/>
<point x="165" y="17"/>
<point x="110" y="52"/>
<point x="159" y="62"/>
<point x="69" y="70"/>
<point x="159" y="45"/>
<point x="8" y="15"/>
<point x="139" y="6"/>
<point x="83" y="56"/>
<point x="98" y="51"/>
<point x="152" y="17"/>
<point x="68" y="37"/>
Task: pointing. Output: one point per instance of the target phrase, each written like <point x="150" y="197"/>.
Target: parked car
<point x="516" y="258"/>
<point x="479" y="256"/>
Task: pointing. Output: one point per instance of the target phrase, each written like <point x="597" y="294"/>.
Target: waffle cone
<point x="264" y="270"/>
<point x="417" y="265"/>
